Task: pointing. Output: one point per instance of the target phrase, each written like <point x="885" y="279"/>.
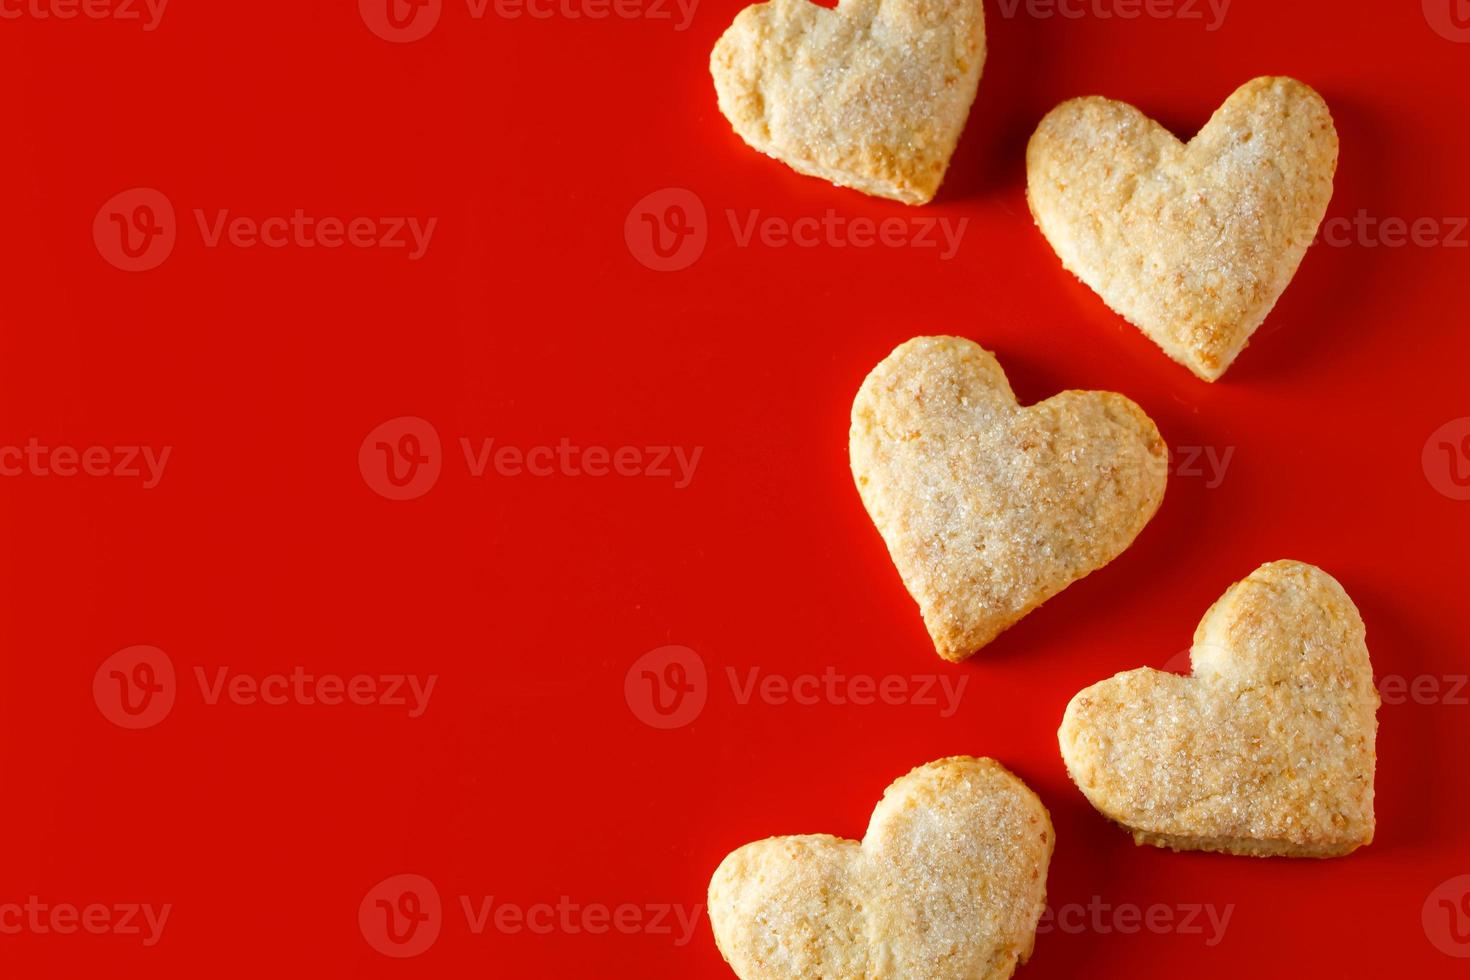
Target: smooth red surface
<point x="529" y="320"/>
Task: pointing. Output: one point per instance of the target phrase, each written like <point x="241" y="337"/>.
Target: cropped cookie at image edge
<point x="989" y="508"/>
<point x="1268" y="749"/>
<point x="872" y="95"/>
<point x="948" y="883"/>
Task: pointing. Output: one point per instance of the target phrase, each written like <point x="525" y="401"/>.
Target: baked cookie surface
<point x="1268" y="749"/>
<point x="988" y="508"/>
<point x="948" y="884"/>
<point x="872" y="95"/>
<point x="1192" y="243"/>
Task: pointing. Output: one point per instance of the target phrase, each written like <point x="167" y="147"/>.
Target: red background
<point x="530" y="320"/>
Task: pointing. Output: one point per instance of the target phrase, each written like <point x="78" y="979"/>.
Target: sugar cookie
<point x="1192" y="243"/>
<point x="948" y="884"/>
<point x="872" y="95"/>
<point x="989" y="509"/>
<point x="1268" y="749"/>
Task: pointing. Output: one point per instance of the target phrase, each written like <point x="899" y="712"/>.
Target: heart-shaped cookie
<point x="989" y="509"/>
<point x="1192" y="243"/>
<point x="872" y="95"/>
<point x="1268" y="749"/>
<point x="948" y="884"/>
